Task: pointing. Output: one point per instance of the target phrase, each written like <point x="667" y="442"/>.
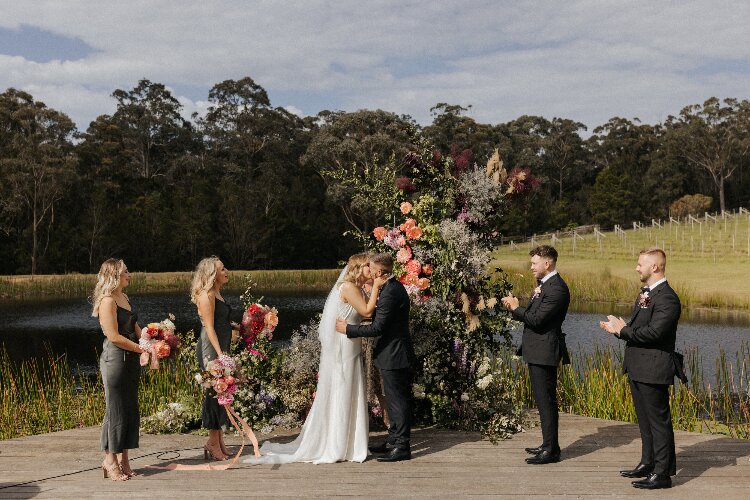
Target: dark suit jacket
<point x="543" y="341"/>
<point x="650" y="336"/>
<point x="394" y="349"/>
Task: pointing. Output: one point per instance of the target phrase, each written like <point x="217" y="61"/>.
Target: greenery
<point x="263" y="188"/>
<point x="80" y="285"/>
<point x="594" y="385"/>
<point x="48" y="395"/>
<point x="703" y="258"/>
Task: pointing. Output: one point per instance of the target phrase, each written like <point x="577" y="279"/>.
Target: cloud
<point x="584" y="59"/>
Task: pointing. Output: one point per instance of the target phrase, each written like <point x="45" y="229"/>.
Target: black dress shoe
<point x="640" y="470"/>
<point x="383" y="448"/>
<point x="545" y="457"/>
<point x="396" y="455"/>
<point x="534" y="451"/>
<point x="654" y="482"/>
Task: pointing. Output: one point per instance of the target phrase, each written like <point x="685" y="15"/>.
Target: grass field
<point x="81" y="285"/>
<point x="708" y="262"/>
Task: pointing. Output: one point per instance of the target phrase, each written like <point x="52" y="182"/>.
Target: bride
<point x="336" y="428"/>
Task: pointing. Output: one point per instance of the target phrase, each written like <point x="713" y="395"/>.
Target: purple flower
<point x="392" y="238"/>
<point x="463" y="215"/>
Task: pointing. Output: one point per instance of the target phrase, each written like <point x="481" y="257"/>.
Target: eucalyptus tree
<point x="37" y="165"/>
<point x="714" y="137"/>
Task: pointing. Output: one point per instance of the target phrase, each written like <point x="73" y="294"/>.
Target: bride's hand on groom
<point x="378" y="282"/>
<point x="341" y="326"/>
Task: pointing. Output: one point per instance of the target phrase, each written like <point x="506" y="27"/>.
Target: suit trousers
<point x="400" y="402"/>
<point x="655" y="422"/>
<point x="544" y="387"/>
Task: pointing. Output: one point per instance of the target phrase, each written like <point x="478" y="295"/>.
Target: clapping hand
<point x="510" y="302"/>
<point x="613" y="325"/>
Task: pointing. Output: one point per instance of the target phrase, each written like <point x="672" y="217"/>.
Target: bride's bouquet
<point x="158" y="341"/>
<point x="221" y="377"/>
<point x="258" y="322"/>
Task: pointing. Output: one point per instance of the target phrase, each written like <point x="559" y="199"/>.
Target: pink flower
<point x="423" y="283"/>
<point x="427" y="269"/>
<point x="413" y="267"/>
<point x="405" y="207"/>
<point x="379" y="233"/>
<point x="414" y="233"/>
<point x="404" y="255"/>
<point x="393" y="239"/>
<point x="409" y="280"/>
<point x="230" y="380"/>
<point x="225" y="400"/>
<point x="401" y="241"/>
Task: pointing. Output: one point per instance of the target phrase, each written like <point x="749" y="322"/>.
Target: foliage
<point x="442" y="249"/>
<point x="690" y="204"/>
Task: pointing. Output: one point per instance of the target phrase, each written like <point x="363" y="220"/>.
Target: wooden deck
<point x="444" y="464"/>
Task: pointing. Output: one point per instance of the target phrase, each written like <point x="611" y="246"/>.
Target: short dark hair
<point x="384" y="260"/>
<point x="545" y="251"/>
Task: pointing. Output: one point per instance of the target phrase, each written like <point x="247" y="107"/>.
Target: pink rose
<point x="401" y="241"/>
<point x="423" y="283"/>
<point x="405" y="207"/>
<point x="225" y="400"/>
<point x="272" y="320"/>
<point x="427" y="269"/>
<point x="410" y="280"/>
<point x="379" y="233"/>
<point x="408" y="225"/>
<point x="413" y="267"/>
<point x="404" y="255"/>
<point x="230" y="380"/>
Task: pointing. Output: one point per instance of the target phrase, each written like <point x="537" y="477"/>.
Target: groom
<point x="393" y="356"/>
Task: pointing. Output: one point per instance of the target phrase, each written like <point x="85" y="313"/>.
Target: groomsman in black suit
<point x="543" y="344"/>
<point x="651" y="364"/>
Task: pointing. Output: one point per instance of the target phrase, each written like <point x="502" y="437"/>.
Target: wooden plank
<point x="445" y="463"/>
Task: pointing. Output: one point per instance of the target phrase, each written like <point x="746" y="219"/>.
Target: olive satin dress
<point x="213" y="416"/>
<point x="121" y="372"/>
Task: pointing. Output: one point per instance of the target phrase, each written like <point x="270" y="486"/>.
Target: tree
<point x="714" y="137"/>
<point x="37" y="163"/>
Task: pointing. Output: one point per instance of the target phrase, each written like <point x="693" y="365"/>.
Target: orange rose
<point x="413" y="267"/>
<point x="410" y="223"/>
<point x="405" y="207"/>
<point x="162" y="349"/>
<point x="379" y="233"/>
<point x="423" y="283"/>
<point x="272" y="319"/>
<point x="414" y="233"/>
<point x="427" y="269"/>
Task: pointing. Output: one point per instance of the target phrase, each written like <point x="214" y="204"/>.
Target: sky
<point x="587" y="60"/>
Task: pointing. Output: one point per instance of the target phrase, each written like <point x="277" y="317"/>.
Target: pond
<point x="66" y="326"/>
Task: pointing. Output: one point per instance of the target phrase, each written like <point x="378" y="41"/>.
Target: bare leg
<point x="224" y="449"/>
<point x="111" y="467"/>
<point x="125" y="465"/>
<point x="213" y="445"/>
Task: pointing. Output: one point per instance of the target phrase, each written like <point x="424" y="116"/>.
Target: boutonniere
<point x="644" y="300"/>
<point x="537" y="292"/>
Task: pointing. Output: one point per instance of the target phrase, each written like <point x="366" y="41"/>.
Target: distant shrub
<point x="690" y="204"/>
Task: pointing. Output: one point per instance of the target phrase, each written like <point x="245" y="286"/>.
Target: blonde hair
<point x="204" y="277"/>
<point x="107" y="281"/>
<point x="659" y="256"/>
<point x="356" y="263"/>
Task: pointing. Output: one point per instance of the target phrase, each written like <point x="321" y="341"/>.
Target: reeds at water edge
<point x="81" y="285"/>
<point x="594" y="385"/>
<point x="47" y="395"/>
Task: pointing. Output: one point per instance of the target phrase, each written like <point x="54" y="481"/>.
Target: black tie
<point x="645" y="289"/>
<point x="539" y="282"/>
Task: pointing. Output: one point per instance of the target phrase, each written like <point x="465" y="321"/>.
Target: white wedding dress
<point x="336" y="428"/>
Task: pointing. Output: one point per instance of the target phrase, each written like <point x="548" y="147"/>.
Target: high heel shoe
<point x="209" y="452"/>
<point x="130" y="472"/>
<point x="113" y="472"/>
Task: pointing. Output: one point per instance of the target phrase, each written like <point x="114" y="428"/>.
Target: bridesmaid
<point x="120" y="368"/>
<point x="215" y="338"/>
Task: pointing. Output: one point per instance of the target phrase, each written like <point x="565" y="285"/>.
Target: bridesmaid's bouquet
<point x="221" y="378"/>
<point x="258" y="322"/>
<point x="158" y="341"/>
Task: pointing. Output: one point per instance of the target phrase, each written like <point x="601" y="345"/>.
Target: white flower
<point x="199" y="378"/>
<point x="464" y="397"/>
<point x="484" y="382"/>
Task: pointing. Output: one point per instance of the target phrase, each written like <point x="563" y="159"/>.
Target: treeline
<point x="251" y="182"/>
